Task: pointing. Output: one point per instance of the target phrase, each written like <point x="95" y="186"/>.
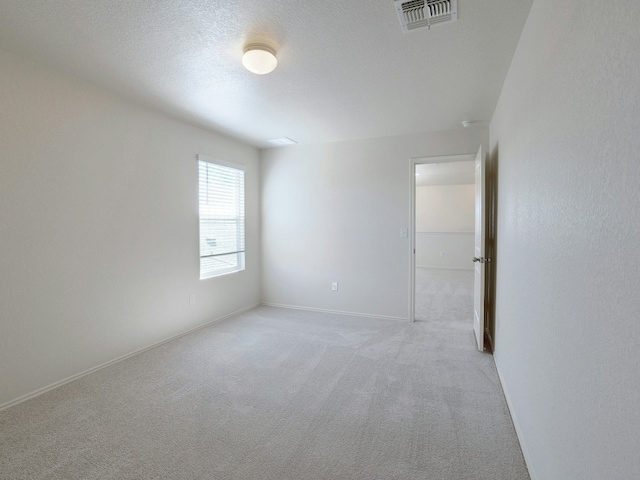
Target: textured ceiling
<point x="345" y="69"/>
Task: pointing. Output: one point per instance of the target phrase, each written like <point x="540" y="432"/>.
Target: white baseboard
<point x="516" y="425"/>
<point x="339" y="312"/>
<point x="42" y="390"/>
<point x="443" y="268"/>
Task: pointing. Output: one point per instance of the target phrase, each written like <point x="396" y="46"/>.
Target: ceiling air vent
<point x="414" y="14"/>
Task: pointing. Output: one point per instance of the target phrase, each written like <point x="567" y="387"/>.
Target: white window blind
<point x="221" y="198"/>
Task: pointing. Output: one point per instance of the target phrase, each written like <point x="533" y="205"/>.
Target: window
<point x="221" y="199"/>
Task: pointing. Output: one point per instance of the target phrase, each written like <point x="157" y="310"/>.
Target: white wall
<point x="99" y="228"/>
<point x="333" y="212"/>
<point x="445" y="250"/>
<point x="445" y="208"/>
<point x="445" y="225"/>
<point x="565" y="136"/>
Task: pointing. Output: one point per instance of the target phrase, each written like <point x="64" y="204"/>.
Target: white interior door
<point x="479" y="258"/>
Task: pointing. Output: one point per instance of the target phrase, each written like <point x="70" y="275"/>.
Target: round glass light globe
<point x="259" y="59"/>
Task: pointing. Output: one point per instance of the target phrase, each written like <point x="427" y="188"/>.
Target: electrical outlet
<point x="334" y="286"/>
<point x="404" y="233"/>
<point x="192" y="299"/>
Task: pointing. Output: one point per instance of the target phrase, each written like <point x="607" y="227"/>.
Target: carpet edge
<point x="340" y="312"/>
<point x="64" y="381"/>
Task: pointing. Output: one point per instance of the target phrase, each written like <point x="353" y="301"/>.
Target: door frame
<point x="480" y="257"/>
<point x="412" y="218"/>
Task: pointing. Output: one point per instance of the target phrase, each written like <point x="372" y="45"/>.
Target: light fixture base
<point x="259" y="46"/>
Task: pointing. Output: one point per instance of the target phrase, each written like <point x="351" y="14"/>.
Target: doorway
<point x="442" y="234"/>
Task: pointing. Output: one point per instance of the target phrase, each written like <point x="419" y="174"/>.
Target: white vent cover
<point x="415" y="14"/>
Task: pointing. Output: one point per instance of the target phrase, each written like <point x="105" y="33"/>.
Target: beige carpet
<point x="277" y="394"/>
<point x="444" y="295"/>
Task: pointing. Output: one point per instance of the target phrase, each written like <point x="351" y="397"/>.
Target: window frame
<point x="240" y="228"/>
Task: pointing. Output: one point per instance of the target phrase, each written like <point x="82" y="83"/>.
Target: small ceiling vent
<point x="414" y="14"/>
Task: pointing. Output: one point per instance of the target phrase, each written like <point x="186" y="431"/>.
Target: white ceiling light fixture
<point x="259" y="58"/>
<point x="468" y="123"/>
<point x="282" y="141"/>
